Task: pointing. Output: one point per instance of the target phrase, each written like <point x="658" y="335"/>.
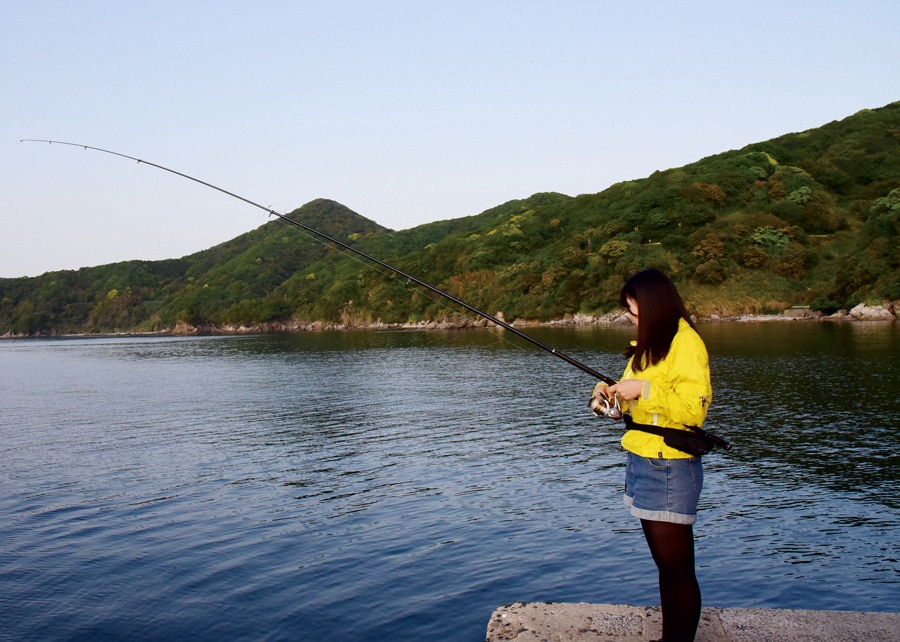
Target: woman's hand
<point x="627" y="389"/>
<point x="603" y="403"/>
<point x="600" y="391"/>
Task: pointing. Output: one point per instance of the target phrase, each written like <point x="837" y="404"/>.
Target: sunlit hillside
<point x="809" y="218"/>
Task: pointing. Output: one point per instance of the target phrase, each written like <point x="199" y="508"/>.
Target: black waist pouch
<point x="691" y="443"/>
<point x="695" y="444"/>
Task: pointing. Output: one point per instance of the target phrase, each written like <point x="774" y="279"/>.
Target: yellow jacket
<point x="677" y="394"/>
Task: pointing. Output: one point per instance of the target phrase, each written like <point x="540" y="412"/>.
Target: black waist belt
<point x="693" y="441"/>
<point x="631" y="424"/>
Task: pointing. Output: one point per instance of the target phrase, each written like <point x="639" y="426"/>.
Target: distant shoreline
<point x="861" y="313"/>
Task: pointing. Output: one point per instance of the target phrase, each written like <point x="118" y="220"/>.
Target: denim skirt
<point x="663" y="490"/>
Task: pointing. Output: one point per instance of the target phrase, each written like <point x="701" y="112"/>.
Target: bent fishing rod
<point x="409" y="277"/>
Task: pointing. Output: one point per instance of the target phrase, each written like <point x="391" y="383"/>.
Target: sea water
<point x="402" y="485"/>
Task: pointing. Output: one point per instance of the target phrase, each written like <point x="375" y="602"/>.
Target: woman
<point x="666" y="384"/>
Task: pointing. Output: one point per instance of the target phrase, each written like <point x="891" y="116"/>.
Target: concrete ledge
<point x="558" y="622"/>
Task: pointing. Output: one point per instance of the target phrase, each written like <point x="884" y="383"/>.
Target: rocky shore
<point x="890" y="311"/>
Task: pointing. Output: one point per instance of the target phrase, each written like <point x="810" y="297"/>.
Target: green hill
<point x="810" y="218"/>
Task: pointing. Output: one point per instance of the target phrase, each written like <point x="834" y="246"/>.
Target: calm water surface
<point x="400" y="486"/>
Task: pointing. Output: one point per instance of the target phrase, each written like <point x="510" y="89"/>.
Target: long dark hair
<point x="659" y="308"/>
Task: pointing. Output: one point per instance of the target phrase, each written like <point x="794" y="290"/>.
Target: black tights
<point x="672" y="547"/>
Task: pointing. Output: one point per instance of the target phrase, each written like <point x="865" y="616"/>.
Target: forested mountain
<point x="810" y="218"/>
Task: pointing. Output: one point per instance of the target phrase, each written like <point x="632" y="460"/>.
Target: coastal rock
<point x="184" y="329"/>
<point x="802" y="312"/>
<point x="579" y="319"/>
<point x="865" y="312"/>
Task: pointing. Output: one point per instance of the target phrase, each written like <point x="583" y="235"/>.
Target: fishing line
<point x="305" y="230"/>
<point x="321" y="235"/>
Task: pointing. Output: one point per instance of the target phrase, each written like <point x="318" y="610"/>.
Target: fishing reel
<point x="603" y="406"/>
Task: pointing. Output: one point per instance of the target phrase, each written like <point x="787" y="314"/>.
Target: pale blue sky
<point x="406" y="112"/>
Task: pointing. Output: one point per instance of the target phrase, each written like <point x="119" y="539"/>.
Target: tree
<point x="770" y="240"/>
<point x="710" y="247"/>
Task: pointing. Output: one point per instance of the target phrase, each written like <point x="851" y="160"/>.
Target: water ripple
<point x="402" y="485"/>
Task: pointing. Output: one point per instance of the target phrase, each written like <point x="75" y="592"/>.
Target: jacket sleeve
<point x="680" y="392"/>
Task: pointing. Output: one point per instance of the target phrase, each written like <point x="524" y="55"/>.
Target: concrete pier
<point x="559" y="622"/>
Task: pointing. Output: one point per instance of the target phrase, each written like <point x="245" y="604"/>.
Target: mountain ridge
<point x="803" y="219"/>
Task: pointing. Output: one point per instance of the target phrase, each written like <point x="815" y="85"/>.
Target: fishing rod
<point x="409" y="277"/>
